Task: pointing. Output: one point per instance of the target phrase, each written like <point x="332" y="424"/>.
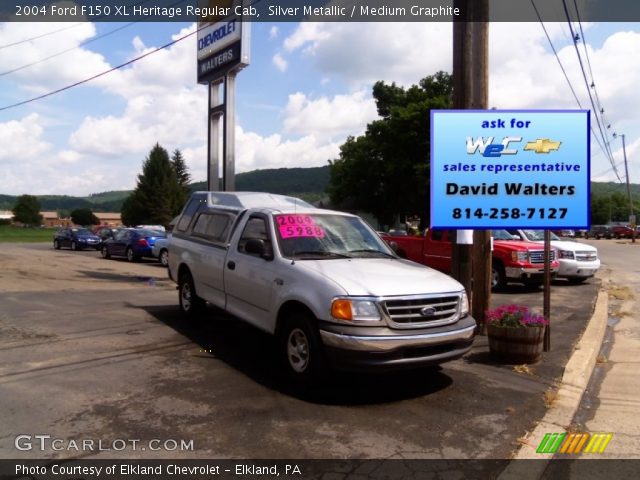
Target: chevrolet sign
<point x="215" y="37"/>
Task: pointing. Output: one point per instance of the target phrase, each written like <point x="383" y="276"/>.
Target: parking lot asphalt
<point x="94" y="349"/>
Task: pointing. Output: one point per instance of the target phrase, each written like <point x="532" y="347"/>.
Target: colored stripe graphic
<point x="573" y="443"/>
<point x="598" y="442"/>
<point x="551" y="442"/>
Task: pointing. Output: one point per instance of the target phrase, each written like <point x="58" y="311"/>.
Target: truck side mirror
<point x="394" y="246"/>
<point x="256" y="246"/>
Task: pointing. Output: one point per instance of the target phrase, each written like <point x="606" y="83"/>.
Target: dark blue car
<point x="75" y="238"/>
<point x="132" y="243"/>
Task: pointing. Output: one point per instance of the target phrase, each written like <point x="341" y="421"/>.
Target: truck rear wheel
<point x="190" y="304"/>
<point x="301" y="347"/>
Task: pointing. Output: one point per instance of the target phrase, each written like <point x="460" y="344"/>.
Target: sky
<point x="307" y="89"/>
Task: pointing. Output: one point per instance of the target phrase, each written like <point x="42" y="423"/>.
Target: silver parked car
<point x="160" y="250"/>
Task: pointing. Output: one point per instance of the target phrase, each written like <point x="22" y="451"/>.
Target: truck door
<point x="438" y="250"/>
<point x="249" y="279"/>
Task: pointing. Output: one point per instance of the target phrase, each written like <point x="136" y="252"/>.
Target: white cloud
<point x="74" y="65"/>
<point x="279" y="62"/>
<point x="328" y="118"/>
<point x="273" y="151"/>
<point x="273" y="32"/>
<point x="311" y="33"/>
<point x="161" y="73"/>
<point x="362" y="53"/>
<point x="166" y="105"/>
<point x="22" y="139"/>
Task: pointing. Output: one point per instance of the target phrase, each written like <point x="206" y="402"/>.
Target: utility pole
<point x="471" y="91"/>
<point x="632" y="217"/>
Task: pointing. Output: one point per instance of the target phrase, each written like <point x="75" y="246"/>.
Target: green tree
<point x="600" y="213"/>
<point x="386" y="170"/>
<point x="153" y="201"/>
<point x="132" y="211"/>
<point x="84" y="216"/>
<point x="27" y="210"/>
<point x="183" y="177"/>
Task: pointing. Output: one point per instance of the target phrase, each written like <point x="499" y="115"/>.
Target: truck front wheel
<point x="190" y="304"/>
<point x="301" y="347"/>
<point x="498" y="277"/>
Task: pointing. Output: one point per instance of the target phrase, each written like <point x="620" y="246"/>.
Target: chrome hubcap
<point x="186" y="297"/>
<point x="298" y="350"/>
<point x="494" y="277"/>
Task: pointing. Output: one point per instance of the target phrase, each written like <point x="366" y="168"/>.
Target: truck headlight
<point x="521" y="257"/>
<point x="464" y="305"/>
<point x="349" y="309"/>
<point x="566" y="254"/>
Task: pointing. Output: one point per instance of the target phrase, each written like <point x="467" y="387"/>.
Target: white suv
<point x="578" y="261"/>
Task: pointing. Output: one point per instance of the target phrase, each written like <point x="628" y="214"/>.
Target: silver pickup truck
<point x="323" y="281"/>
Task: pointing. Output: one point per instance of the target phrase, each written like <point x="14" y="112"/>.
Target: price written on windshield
<point x="292" y="226"/>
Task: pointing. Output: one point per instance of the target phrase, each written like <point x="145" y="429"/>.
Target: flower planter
<point x="516" y="344"/>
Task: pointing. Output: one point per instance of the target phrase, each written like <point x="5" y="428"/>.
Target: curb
<point x="573" y="384"/>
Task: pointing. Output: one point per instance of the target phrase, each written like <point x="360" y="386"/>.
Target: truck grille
<point x="537" y="256"/>
<point x="412" y="312"/>
<point x="587" y="256"/>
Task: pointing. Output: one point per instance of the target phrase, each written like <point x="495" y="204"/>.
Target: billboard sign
<point x="493" y="169"/>
<point x="223" y="39"/>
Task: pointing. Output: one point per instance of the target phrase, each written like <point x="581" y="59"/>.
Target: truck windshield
<point x="503" y="235"/>
<point x="538" y="235"/>
<point x="319" y="236"/>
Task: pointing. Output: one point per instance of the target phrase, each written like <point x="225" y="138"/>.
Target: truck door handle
<point x="231" y="265"/>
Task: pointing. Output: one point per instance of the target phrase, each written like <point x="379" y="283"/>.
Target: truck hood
<point x="572" y="246"/>
<point x="517" y="245"/>
<point x="382" y="276"/>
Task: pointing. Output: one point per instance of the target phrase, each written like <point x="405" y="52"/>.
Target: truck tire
<point x="190" y="304"/>
<point x="576" y="280"/>
<point x="56" y="244"/>
<point x="301" y="348"/>
<point x="534" y="283"/>
<point x="498" y="277"/>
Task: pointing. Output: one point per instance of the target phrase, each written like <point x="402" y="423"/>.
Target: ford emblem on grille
<point x="427" y="311"/>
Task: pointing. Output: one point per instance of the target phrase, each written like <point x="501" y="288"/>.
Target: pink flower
<point x="514" y="316"/>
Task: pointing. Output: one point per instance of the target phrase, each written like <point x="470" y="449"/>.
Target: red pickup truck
<point x="513" y="260"/>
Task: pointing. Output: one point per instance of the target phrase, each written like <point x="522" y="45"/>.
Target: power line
<point x="593" y="81"/>
<point x="39" y="97"/>
<point x="584" y="76"/>
<point x="575" y="96"/>
<point x="54" y="55"/>
<point x="96" y="18"/>
<point x="40" y="36"/>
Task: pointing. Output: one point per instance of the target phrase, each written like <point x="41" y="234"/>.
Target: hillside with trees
<point x="609" y="199"/>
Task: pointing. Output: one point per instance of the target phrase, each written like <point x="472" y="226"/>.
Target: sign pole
<point x="546" y="302"/>
<point x="213" y="135"/>
<point x="229" y="132"/>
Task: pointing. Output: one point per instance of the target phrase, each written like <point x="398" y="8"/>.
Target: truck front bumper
<point x="527" y="273"/>
<point x="386" y="349"/>
<point x="575" y="268"/>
